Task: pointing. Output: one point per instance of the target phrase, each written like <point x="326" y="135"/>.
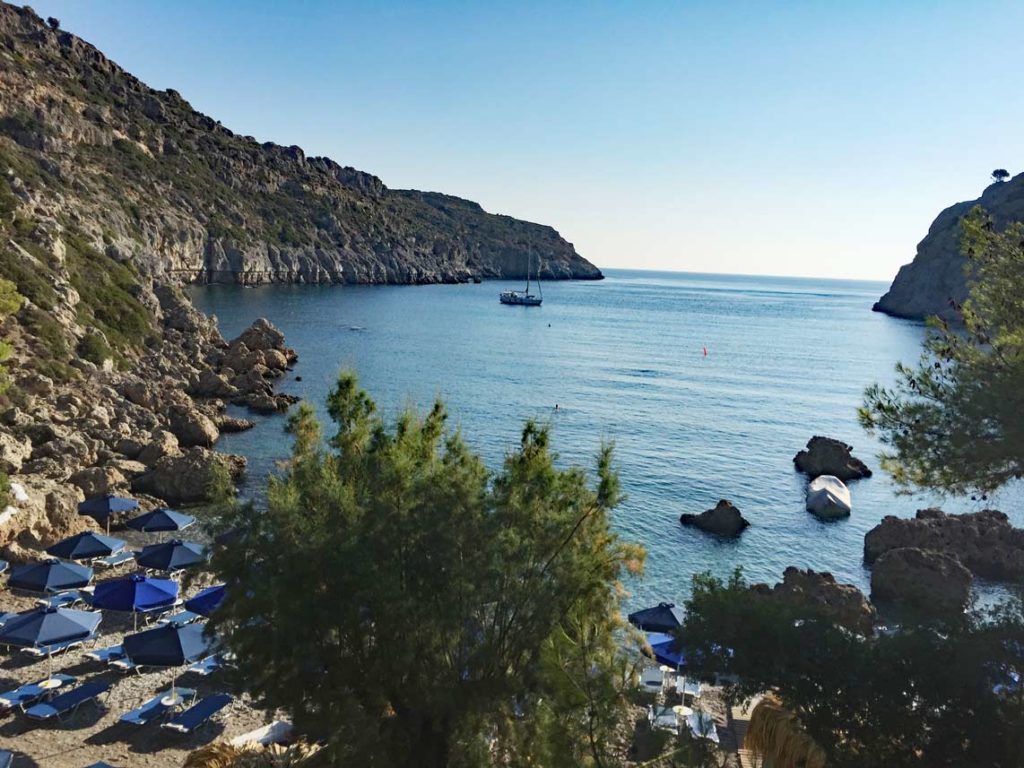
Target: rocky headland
<point x="935" y="282"/>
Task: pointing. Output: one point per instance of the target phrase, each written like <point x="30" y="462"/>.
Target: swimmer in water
<point x="556" y="406"/>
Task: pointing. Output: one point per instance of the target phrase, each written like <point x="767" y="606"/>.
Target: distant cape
<point x="935" y="281"/>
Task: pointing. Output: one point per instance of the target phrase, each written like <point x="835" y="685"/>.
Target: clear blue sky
<point x="800" y="138"/>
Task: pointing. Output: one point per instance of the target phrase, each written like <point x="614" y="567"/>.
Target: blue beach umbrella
<point x="665" y="650"/>
<point x="167" y="646"/>
<point x="49" y="626"/>
<point x="102" y="508"/>
<point x="663" y="617"/>
<point x="207" y="601"/>
<point x="86" y="546"/>
<point x="49" y="576"/>
<point x="171" y="555"/>
<point x="135" y="593"/>
<point x="161" y="520"/>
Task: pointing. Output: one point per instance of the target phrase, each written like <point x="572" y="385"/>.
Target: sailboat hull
<point x="519" y="298"/>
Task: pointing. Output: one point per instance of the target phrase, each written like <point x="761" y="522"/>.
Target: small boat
<point x="828" y="497"/>
<point x="523" y="298"/>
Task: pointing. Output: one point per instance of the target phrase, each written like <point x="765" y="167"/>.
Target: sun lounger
<point x="663" y="718"/>
<point x="179" y="619"/>
<point x="156" y="708"/>
<point x="198" y="714"/>
<point x="105" y="655"/>
<point x="652" y="679"/>
<point x="4" y="565"/>
<point x="112" y="561"/>
<point x="702" y="725"/>
<point x="67" y="703"/>
<point x="29" y="693"/>
<point x="5" y="617"/>
<point x="62" y="599"/>
<point x="52" y="650"/>
<point x="687" y="687"/>
<point x="207" y="666"/>
<point x="6" y="758"/>
<point x="124" y="665"/>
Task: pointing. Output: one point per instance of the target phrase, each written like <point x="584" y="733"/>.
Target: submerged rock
<point x="844" y="603"/>
<point x="922" y="580"/>
<point x="984" y="542"/>
<point x="723" y="519"/>
<point x="828" y="456"/>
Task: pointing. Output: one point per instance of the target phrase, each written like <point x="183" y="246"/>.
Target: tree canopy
<point x="955" y="422"/>
<point x="1000" y="174"/>
<point x="929" y="695"/>
<point x="409" y="607"/>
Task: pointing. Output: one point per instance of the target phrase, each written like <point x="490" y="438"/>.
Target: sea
<point x="706" y="384"/>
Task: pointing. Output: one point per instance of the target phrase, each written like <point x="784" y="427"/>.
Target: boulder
<point x="15" y="450"/>
<point x="261" y="335"/>
<point x="186" y="478"/>
<point x="722" y="520"/>
<point x="129" y="447"/>
<point x="213" y="384"/>
<point x="826" y="456"/>
<point x="49" y="514"/>
<point x="984" y="542"/>
<point x="844" y="603"/>
<point x="828" y="498"/>
<point x="192" y="427"/>
<point x="921" y="580"/>
<point x="261" y="402"/>
<point x="97" y="481"/>
<point x="164" y="443"/>
<point x="228" y="424"/>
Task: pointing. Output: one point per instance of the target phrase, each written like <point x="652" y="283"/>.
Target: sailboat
<point x="523" y="298"/>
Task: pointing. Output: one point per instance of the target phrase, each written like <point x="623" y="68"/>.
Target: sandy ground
<point x="93" y="733"/>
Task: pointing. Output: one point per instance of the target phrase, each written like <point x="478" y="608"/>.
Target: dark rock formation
<point x="844" y="603"/>
<point x="922" y="580"/>
<point x="827" y="456"/>
<point x="935" y="282"/>
<point x="186" y="478"/>
<point x="984" y="542"/>
<point x="172" y="191"/>
<point x="723" y="520"/>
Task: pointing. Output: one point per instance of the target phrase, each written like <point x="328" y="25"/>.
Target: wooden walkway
<point x="739" y="719"/>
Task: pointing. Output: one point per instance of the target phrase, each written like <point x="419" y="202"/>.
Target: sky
<point x="798" y="138"/>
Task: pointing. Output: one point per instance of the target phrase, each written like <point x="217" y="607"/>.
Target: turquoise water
<point x="623" y="359"/>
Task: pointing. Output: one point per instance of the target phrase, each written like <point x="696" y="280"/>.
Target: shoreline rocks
<point x="828" y="456"/>
<point x="723" y="519"/>
<point x="984" y="542"/>
<point x="921" y="580"/>
<point x="844" y="603"/>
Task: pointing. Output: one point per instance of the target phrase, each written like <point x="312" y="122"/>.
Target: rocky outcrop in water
<point x="935" y="282"/>
<point x="984" y="542"/>
<point x="844" y="603"/>
<point x="148" y="181"/>
<point x="921" y="580"/>
<point x="723" y="519"/>
<point x="828" y="456"/>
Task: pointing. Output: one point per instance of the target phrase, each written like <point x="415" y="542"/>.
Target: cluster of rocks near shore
<point x="148" y="431"/>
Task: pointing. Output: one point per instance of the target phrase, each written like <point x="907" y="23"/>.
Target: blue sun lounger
<point x="180" y="619"/>
<point x="67" y="703"/>
<point x="29" y="693"/>
<point x="6" y="758"/>
<point x="63" y="599"/>
<point x="199" y="714"/>
<point x="155" y="707"/>
<point x="105" y="655"/>
<point x="112" y="561"/>
<point x="207" y="666"/>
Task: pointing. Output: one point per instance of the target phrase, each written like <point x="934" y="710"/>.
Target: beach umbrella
<point x="135" y="593"/>
<point x="161" y="520"/>
<point x="86" y="546"/>
<point x="171" y="555"/>
<point x="167" y="646"/>
<point x="663" y="617"/>
<point x="206" y="602"/>
<point x="665" y="650"/>
<point x="49" y="626"/>
<point x="49" y="576"/>
<point x="102" y="508"/>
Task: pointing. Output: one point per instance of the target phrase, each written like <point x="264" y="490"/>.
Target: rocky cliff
<point x="146" y="180"/>
<point x="935" y="282"/>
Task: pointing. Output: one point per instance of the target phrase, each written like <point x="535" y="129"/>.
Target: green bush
<point x="94" y="348"/>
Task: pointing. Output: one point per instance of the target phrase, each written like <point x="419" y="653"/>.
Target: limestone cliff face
<point x="151" y="183"/>
<point x="935" y="281"/>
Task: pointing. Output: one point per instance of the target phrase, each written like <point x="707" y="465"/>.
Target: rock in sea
<point x="828" y="456"/>
<point x="921" y="580"/>
<point x="828" y="498"/>
<point x="722" y="520"/>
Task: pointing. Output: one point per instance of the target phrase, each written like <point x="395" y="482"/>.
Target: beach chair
<point x="5" y="617"/>
<point x="198" y="715"/>
<point x="52" y="650"/>
<point x="29" y="693"/>
<point x="155" y="708"/>
<point x="652" y="679"/>
<point x="105" y="655"/>
<point x="4" y="565"/>
<point x="6" y="758"/>
<point x="67" y="704"/>
<point x="207" y="666"/>
<point x="663" y="718"/>
<point x="179" y="619"/>
<point x="156" y="614"/>
<point x="702" y="726"/>
<point x="124" y="665"/>
<point x="62" y="599"/>
<point x="113" y="561"/>
<point x="687" y="687"/>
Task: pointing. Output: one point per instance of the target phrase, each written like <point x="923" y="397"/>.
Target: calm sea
<point x="624" y="360"/>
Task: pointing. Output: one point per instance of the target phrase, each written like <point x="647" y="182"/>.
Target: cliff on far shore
<point x="147" y="180"/>
<point x="935" y="282"/>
